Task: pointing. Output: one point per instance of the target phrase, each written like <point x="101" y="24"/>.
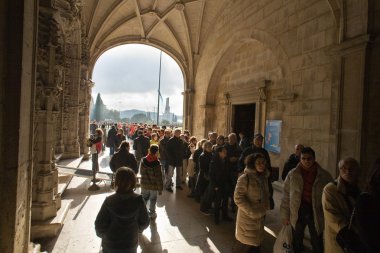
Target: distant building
<point x="167" y="115"/>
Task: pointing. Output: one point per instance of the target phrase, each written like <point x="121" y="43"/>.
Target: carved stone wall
<point x="57" y="100"/>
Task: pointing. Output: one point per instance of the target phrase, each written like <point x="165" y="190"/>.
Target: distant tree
<point x="99" y="109"/>
<point x="165" y="122"/>
<point x="139" y="118"/>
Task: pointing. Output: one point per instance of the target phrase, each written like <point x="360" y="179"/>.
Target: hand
<point x="285" y="221"/>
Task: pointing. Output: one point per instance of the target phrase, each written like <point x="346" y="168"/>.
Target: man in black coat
<point x="257" y="148"/>
<point x="141" y="145"/>
<point x="174" y="150"/>
<point x="292" y="161"/>
<point x="111" y="138"/>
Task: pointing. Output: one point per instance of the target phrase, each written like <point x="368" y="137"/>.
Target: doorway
<point x="244" y="119"/>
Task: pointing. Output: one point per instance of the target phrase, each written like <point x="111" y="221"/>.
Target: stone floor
<point x="179" y="227"/>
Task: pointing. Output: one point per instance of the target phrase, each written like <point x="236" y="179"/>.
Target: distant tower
<point x="167" y="107"/>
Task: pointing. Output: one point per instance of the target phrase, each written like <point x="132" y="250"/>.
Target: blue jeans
<point x="164" y="169"/>
<point x="112" y="149"/>
<point x="169" y="175"/>
<point x="151" y="196"/>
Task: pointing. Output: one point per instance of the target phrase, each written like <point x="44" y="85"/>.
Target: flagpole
<point x="159" y="93"/>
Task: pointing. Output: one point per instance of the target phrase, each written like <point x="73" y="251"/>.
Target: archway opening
<point x="136" y="81"/>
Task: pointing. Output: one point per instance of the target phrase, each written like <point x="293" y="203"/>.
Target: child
<point x="122" y="216"/>
<point x="151" y="179"/>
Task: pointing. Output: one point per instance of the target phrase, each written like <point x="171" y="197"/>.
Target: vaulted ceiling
<point x="178" y="27"/>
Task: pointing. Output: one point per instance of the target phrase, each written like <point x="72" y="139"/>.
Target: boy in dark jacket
<point x="151" y="179"/>
<point x="122" y="215"/>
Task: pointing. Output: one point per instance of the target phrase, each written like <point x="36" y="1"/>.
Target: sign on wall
<point x="272" y="135"/>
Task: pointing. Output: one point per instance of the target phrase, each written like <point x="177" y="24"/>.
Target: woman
<point x="154" y="139"/>
<point x="220" y="184"/>
<point x="123" y="158"/>
<point x="96" y="148"/>
<point x="122" y="216"/>
<point x="119" y="138"/>
<point x="252" y="198"/>
<point x="203" y="176"/>
<point x="367" y="218"/>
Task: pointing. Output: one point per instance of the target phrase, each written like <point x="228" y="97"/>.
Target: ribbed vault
<point x="177" y="27"/>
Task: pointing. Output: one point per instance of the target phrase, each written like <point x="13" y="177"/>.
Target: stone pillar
<point x="188" y="98"/>
<point x="261" y="109"/>
<point x="18" y="26"/>
<point x="45" y="183"/>
<point x="351" y="56"/>
<point x="209" y="118"/>
<point x="71" y="137"/>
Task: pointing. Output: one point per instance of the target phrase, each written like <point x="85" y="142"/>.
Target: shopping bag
<point x="284" y="241"/>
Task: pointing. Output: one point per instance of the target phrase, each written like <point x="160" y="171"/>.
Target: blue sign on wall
<point x="272" y="135"/>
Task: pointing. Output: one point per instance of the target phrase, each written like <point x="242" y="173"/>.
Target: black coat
<point x="120" y="159"/>
<point x="219" y="175"/>
<point x="120" y="219"/>
<point x="290" y="164"/>
<point x="111" y="137"/>
<point x="196" y="156"/>
<point x="162" y="147"/>
<point x="174" y="150"/>
<point x="141" y="145"/>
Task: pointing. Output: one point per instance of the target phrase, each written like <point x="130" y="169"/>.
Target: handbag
<point x="284" y="241"/>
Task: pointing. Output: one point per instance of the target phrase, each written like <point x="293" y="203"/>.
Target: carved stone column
<point x="45" y="182"/>
<point x="188" y="97"/>
<point x="71" y="129"/>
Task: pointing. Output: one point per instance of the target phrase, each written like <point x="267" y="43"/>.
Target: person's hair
<point x="125" y="180"/>
<point x="258" y="136"/>
<point x="250" y="160"/>
<point x="348" y="160"/>
<point x="200" y="143"/>
<point x="99" y="131"/>
<point x="103" y="126"/>
<point x="233" y="135"/>
<point x="124" y="146"/>
<point x="374" y="177"/>
<point x="308" y="150"/>
<point x="192" y="138"/>
<point x="121" y="131"/>
<point x="177" y="130"/>
<point x="153" y="149"/>
<point x="207" y="144"/>
<point x="139" y="132"/>
<point x="153" y="135"/>
<point x="220" y="137"/>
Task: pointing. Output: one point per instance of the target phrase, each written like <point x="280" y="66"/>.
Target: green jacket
<point x="151" y="175"/>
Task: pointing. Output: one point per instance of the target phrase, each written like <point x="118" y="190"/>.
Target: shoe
<point x="179" y="187"/>
<point x="190" y="196"/>
<point x="169" y="190"/>
<point x="153" y="215"/>
<point x="205" y="212"/>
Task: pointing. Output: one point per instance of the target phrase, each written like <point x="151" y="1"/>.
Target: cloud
<point x="135" y="69"/>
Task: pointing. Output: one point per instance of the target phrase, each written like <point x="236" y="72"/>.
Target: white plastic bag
<point x="284" y="241"/>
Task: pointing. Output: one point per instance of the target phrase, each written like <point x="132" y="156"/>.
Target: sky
<point x="127" y="78"/>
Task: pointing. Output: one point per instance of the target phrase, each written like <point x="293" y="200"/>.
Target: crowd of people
<point x="227" y="175"/>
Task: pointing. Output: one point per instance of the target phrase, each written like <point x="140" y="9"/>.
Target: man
<point x="292" y="161"/>
<point x="233" y="154"/>
<point x="111" y="138"/>
<point x="244" y="141"/>
<point x="257" y="148"/>
<point x="301" y="204"/>
<point x="162" y="150"/>
<point x="174" y="150"/>
<point x="338" y="200"/>
<point x="141" y="145"/>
